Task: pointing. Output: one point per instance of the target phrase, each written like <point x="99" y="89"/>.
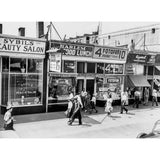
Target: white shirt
<point x="93" y="99"/>
<point x="8" y="117"/>
<point x="79" y="99"/>
<point x="71" y="95"/>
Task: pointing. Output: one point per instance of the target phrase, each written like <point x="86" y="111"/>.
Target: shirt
<point x="93" y="99"/>
<point x="8" y="117"/>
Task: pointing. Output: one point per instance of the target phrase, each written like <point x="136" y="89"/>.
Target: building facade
<point x="21" y="72"/>
<point x="78" y="66"/>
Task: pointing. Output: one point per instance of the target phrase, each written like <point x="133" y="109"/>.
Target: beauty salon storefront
<point x="21" y="73"/>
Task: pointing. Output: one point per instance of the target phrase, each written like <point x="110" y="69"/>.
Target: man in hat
<point x="8" y="119"/>
<point x="76" y="112"/>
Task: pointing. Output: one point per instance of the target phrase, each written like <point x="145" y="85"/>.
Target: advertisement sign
<point x="21" y="45"/>
<point x="113" y="80"/>
<point x="137" y="58"/>
<point x="110" y="53"/>
<point x="72" y="49"/>
<point x="111" y="68"/>
<point x="69" y="66"/>
<point x="55" y="62"/>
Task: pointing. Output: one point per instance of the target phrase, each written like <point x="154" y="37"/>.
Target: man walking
<point x="123" y="102"/>
<point x="137" y="98"/>
<point x="76" y="112"/>
<point x="154" y="97"/>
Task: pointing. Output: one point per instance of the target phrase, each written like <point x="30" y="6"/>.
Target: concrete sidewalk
<point x="116" y="126"/>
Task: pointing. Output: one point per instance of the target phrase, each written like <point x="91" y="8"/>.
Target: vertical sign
<point x="55" y="62"/>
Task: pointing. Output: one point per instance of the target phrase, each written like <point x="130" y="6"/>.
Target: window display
<point x="22" y="86"/>
<point x="59" y="88"/>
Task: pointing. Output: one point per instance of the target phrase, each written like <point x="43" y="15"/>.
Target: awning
<point x="158" y="67"/>
<point x="138" y="81"/>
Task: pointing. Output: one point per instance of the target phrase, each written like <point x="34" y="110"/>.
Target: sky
<point x="71" y="28"/>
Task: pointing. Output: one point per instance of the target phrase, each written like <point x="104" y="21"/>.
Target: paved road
<point x="117" y="126"/>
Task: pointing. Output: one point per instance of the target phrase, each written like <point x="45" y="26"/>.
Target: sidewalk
<point x="60" y="115"/>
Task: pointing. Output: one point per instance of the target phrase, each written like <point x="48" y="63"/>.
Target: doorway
<point x="80" y="85"/>
<point x="90" y="86"/>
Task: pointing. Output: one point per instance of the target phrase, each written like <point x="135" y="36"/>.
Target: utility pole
<point x="144" y="41"/>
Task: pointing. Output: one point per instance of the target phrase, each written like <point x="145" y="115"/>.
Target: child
<point x="108" y="105"/>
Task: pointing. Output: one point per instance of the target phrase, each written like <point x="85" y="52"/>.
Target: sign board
<point x="110" y="53"/>
<point x="72" y="49"/>
<point x="69" y="66"/>
<point x="21" y="45"/>
<point x="55" y="62"/>
<point x="111" y="68"/>
<point x="113" y="80"/>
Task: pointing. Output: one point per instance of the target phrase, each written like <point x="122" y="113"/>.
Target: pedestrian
<point x="79" y="99"/>
<point x="93" y="103"/>
<point x="124" y="102"/>
<point x="88" y="103"/>
<point x="154" y="97"/>
<point x="83" y="98"/>
<point x="8" y="118"/>
<point x="76" y="113"/>
<point x="136" y="98"/>
<point x="71" y="95"/>
<point x="69" y="110"/>
<point x="146" y="96"/>
<point x="108" y="105"/>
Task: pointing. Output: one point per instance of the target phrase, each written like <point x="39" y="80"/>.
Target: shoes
<point x="69" y="123"/>
<point x="121" y="113"/>
<point x="80" y="123"/>
<point x="96" y="111"/>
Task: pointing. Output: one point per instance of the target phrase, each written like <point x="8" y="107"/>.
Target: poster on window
<point x="55" y="62"/>
<point x="69" y="66"/>
<point x="113" y="68"/>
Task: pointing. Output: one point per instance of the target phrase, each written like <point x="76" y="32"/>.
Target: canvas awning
<point x="158" y="67"/>
<point x="138" y="81"/>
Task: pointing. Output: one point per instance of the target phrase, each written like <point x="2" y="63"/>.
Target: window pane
<point x="18" y="65"/>
<point x="150" y="70"/>
<point x="80" y="67"/>
<point x="4" y="88"/>
<point x="25" y="89"/>
<point x="69" y="66"/>
<point x="100" y="68"/>
<point x="35" y="65"/>
<point x="90" y="67"/>
<point x="5" y="64"/>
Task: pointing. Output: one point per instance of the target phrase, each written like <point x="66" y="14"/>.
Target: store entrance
<point x="80" y="85"/>
<point x="90" y="86"/>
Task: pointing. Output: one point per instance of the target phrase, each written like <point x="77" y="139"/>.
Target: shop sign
<point x="55" y="62"/>
<point x="113" y="80"/>
<point x="151" y="59"/>
<point x="21" y="45"/>
<point x="72" y="49"/>
<point x="111" y="68"/>
<point x="110" y="53"/>
<point x="137" y="58"/>
<point x="69" y="66"/>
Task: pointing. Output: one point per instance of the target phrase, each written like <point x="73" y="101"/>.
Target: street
<point x="94" y="126"/>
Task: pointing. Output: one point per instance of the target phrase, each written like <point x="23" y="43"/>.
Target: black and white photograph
<point x="79" y="80"/>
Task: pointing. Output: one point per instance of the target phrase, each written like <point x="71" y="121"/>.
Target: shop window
<point x="150" y="70"/>
<point x="5" y="78"/>
<point x="90" y="67"/>
<point x="18" y="65"/>
<point x="35" y="65"/>
<point x="59" y="88"/>
<point x="25" y="89"/>
<point x="80" y="67"/>
<point x="100" y="68"/>
<point x="157" y="71"/>
<point x="145" y="70"/>
<point x="19" y="86"/>
<point x="5" y="64"/>
<point x="69" y="66"/>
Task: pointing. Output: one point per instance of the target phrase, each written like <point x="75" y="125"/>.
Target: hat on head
<point x="9" y="107"/>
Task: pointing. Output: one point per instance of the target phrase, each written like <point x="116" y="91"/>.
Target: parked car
<point x="155" y="133"/>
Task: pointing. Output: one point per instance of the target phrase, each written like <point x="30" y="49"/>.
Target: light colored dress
<point x="108" y="106"/>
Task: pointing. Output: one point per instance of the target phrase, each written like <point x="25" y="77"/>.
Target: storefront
<point x="110" y="72"/>
<point x="21" y="73"/>
<point x="137" y="70"/>
<point x="96" y="69"/>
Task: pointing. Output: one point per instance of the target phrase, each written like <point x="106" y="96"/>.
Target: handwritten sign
<point x="21" y="45"/>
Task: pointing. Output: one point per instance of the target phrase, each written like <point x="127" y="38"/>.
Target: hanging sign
<point x="55" y="62"/>
<point x="21" y="45"/>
